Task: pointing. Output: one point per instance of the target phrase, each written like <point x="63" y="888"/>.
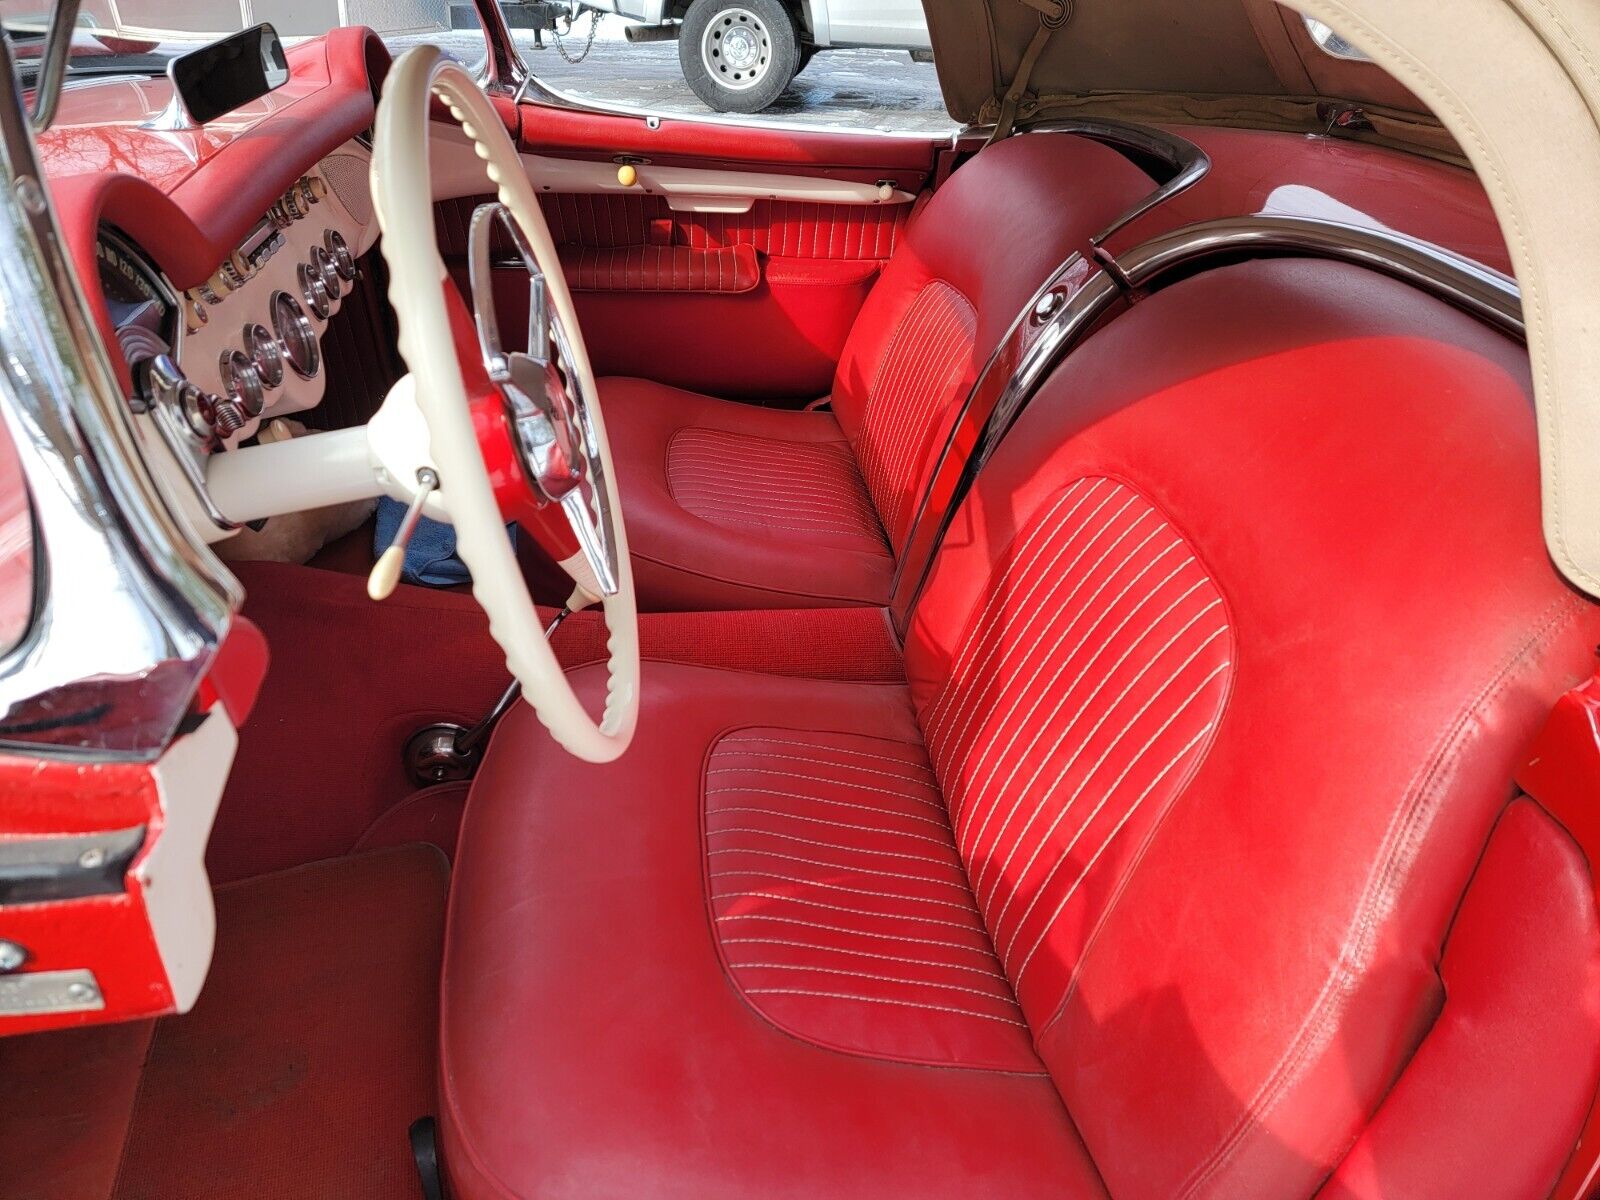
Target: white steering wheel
<point x="530" y="445"/>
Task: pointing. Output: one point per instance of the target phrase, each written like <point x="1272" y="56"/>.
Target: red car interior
<point x="1199" y="827"/>
<point x="737" y="506"/>
<point x="918" y="952"/>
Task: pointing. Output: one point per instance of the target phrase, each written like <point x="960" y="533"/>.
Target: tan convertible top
<point x="1227" y="61"/>
<point x="1516" y="83"/>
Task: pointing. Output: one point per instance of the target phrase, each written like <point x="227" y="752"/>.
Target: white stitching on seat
<point x="839" y="887"/>
<point x="785" y="815"/>
<point x="888" y="980"/>
<point x="846" y="867"/>
<point x="722" y="791"/>
<point x="971" y="926"/>
<point x="826" y="948"/>
<point x="949" y="861"/>
<point x="961" y="1012"/>
<point x="968" y="948"/>
<point x="823" y="762"/>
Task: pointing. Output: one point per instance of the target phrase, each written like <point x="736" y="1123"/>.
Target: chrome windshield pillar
<point x="129" y="605"/>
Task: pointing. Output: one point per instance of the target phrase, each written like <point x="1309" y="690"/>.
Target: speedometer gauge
<point x="134" y="291"/>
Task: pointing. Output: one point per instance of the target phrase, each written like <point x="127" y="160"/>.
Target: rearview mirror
<point x="225" y="75"/>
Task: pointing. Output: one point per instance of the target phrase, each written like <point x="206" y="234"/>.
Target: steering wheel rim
<point x="403" y="198"/>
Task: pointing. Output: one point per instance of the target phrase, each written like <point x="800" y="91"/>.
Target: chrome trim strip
<point x="1039" y="337"/>
<point x="1478" y="290"/>
<point x="1054" y="338"/>
<point x="36" y="993"/>
<point x="1485" y="293"/>
<point x="53" y="71"/>
<point x="132" y="605"/>
<point x="1188" y="163"/>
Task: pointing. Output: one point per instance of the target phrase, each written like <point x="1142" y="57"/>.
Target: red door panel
<point x="839" y="154"/>
<point x="661" y="296"/>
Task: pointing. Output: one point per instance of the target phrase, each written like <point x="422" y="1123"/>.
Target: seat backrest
<point x="968" y="264"/>
<point x="1224" y="667"/>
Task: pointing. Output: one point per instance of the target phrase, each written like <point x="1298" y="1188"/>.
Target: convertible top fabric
<point x="1231" y="61"/>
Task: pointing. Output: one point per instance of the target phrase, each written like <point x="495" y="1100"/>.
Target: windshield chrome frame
<point x="130" y="604"/>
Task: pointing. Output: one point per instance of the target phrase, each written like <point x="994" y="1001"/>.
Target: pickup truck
<point x="739" y="55"/>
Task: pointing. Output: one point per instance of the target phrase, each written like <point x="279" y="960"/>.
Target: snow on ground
<point x="840" y="89"/>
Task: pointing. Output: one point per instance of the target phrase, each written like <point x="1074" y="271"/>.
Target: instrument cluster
<point x="212" y="363"/>
<point x="260" y="316"/>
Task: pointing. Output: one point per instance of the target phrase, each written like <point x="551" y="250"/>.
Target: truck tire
<point x="738" y="55"/>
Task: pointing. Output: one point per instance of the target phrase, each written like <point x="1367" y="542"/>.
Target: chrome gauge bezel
<point x="266" y="352"/>
<point x="295" y="335"/>
<point x="243" y="382"/>
<point x="322" y="263"/>
<point x="344" y="259"/>
<point x="314" y="292"/>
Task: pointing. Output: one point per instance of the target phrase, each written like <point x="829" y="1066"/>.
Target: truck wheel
<point x="738" y="55"/>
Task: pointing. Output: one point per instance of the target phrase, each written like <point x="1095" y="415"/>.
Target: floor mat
<point x="312" y="1048"/>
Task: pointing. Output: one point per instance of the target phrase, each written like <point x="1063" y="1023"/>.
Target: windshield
<point x="139" y="37"/>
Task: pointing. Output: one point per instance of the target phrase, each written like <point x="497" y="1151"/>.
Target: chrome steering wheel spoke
<point x="550" y="416"/>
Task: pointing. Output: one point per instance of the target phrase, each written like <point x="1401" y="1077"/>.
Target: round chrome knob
<point x="322" y="263"/>
<point x="315" y="292"/>
<point x="295" y="335"/>
<point x="343" y="258"/>
<point x="199" y="410"/>
<point x="243" y="382"/>
<point x="265" y="354"/>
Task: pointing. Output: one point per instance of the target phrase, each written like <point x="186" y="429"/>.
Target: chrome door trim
<point x="131" y="605"/>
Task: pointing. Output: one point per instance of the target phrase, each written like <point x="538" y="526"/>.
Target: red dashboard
<point x="107" y="164"/>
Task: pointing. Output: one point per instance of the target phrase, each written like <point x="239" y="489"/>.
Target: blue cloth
<point x="431" y="558"/>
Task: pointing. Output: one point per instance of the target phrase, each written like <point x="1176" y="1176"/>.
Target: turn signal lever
<point x="385" y="575"/>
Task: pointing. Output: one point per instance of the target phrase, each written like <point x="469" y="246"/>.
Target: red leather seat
<point x="1185" y="864"/>
<point x="734" y="506"/>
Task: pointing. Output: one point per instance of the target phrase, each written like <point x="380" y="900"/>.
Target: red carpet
<point x="312" y="1048"/>
<point x="319" y="761"/>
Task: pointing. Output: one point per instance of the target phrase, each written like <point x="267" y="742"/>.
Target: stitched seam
<point x="755" y="1010"/>
<point x="1401" y="843"/>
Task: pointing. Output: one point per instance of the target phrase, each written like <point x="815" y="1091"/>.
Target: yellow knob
<point x="626" y="175"/>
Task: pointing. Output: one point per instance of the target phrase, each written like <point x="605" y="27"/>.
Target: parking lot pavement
<point x="839" y="89"/>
